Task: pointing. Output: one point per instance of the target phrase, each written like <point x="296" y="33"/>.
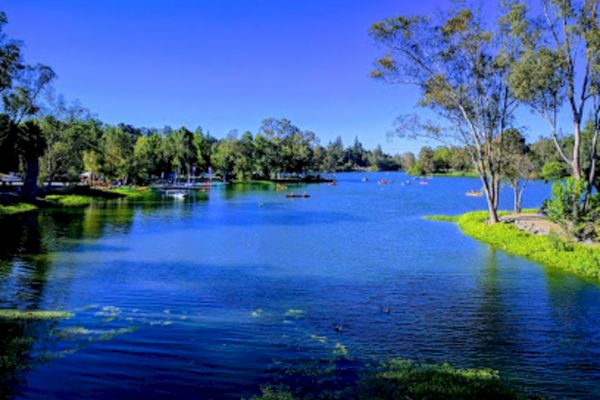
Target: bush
<point x="568" y="208"/>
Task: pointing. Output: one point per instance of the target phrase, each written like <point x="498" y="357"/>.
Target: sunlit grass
<point x="70" y="200"/>
<point x="16" y="208"/>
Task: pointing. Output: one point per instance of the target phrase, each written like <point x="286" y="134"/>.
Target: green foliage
<point x="69" y="200"/>
<point x="550" y="250"/>
<point x="570" y="208"/>
<point x="16" y="208"/>
<point x="552" y="170"/>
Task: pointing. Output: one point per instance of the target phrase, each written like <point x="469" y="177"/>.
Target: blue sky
<point x="221" y="64"/>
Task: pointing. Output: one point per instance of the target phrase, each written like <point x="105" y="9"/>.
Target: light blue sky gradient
<point x="222" y="64"/>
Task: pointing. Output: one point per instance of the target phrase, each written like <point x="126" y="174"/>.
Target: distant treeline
<point x="535" y="160"/>
<point x="79" y="143"/>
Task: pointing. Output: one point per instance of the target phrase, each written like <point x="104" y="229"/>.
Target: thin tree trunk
<point x="30" y="187"/>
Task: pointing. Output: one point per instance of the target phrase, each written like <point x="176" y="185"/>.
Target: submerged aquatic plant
<point x="398" y="379"/>
<point x="34" y="315"/>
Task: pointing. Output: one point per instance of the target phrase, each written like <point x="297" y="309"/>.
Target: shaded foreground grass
<point x="16" y="208"/>
<point x="404" y="379"/>
<point x="550" y="250"/>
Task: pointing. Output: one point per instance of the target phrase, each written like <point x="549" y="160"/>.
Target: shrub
<point x="569" y="208"/>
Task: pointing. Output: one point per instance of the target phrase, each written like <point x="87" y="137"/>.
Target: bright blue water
<point x="209" y="299"/>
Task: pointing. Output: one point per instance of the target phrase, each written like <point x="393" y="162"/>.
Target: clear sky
<point x="221" y="64"/>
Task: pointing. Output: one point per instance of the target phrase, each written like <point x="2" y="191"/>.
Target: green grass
<point x="137" y="193"/>
<point x="16" y="208"/>
<point x="69" y="200"/>
<point x="404" y="379"/>
<point x="549" y="250"/>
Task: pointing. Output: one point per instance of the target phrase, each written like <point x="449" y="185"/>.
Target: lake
<point x="211" y="298"/>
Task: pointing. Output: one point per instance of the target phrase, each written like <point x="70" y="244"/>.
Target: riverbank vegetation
<point x="16" y="208"/>
<point x="403" y="379"/>
<point x="69" y="200"/>
<point x="550" y="250"/>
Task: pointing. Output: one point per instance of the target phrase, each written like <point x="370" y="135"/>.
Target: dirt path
<point x="536" y="224"/>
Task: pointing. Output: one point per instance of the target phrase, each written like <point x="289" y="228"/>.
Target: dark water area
<point x="210" y="298"/>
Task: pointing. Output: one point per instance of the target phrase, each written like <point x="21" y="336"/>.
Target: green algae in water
<point x="340" y="351"/>
<point x="37" y="315"/>
<point x="257" y="313"/>
<point x="317" y="338"/>
<point x="294" y="312"/>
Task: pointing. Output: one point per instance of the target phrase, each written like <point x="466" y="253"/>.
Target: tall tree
<point x="460" y="67"/>
<point x="560" y="68"/>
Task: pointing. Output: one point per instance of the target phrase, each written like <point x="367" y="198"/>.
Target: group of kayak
<point x="383" y="182"/>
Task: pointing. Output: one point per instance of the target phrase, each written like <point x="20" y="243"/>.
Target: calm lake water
<point x="211" y="298"/>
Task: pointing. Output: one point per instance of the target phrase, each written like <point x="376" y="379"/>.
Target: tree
<point x="460" y="67"/>
<point x="184" y="151"/>
<point x="21" y="87"/>
<point x="517" y="166"/>
<point x="561" y="67"/>
<point x="408" y="160"/>
<point x="117" y="151"/>
<point x="334" y="158"/>
<point x="226" y="155"/>
<point x="91" y="163"/>
<point x="425" y="164"/>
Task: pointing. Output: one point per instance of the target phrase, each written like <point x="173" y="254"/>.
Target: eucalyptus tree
<point x="560" y="71"/>
<point x="21" y="90"/>
<point x="460" y="67"/>
<point x="517" y="165"/>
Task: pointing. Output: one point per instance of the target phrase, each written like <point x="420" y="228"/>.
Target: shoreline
<point x="549" y="250"/>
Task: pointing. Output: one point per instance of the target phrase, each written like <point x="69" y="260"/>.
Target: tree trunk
<point x="491" y="198"/>
<point x="516" y="204"/>
<point x="576" y="164"/>
<point x="30" y="187"/>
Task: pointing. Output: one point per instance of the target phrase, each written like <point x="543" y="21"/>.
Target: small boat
<point x="474" y="193"/>
<point x="297" y="196"/>
<point x="279" y="187"/>
<point x="177" y="194"/>
<point x="383" y="182"/>
<point x="332" y="183"/>
<point x="365" y="179"/>
<point x="424" y="183"/>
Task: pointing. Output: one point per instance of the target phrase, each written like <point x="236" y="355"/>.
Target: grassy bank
<point x="69" y="200"/>
<point x="134" y="193"/>
<point x="16" y="208"/>
<point x="550" y="250"/>
<point x="403" y="379"/>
